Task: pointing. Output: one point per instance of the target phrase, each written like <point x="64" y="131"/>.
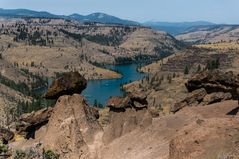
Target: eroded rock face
<point x="6" y="135"/>
<point x="68" y="84"/>
<point x="29" y="123"/>
<point x="71" y="128"/>
<point x="216" y="97"/>
<point x="126" y="114"/>
<point x="215" y="81"/>
<point x="193" y="98"/>
<point x="209" y="87"/>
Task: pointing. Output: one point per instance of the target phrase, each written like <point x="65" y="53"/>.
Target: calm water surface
<point x="102" y="90"/>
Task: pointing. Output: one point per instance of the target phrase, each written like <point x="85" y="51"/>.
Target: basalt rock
<point x="69" y="84"/>
<point x="215" y="81"/>
<point x="209" y="87"/>
<point x="216" y="97"/>
<point x="29" y="123"/>
<point x="119" y="102"/>
<point x="192" y="99"/>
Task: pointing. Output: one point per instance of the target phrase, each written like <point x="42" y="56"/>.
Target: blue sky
<point x="219" y="11"/>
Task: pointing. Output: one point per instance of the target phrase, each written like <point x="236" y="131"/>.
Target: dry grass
<point x="221" y="45"/>
<point x="156" y="66"/>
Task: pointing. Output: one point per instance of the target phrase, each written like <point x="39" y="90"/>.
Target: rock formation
<point x="29" y="123"/>
<point x="209" y="87"/>
<point x="215" y="81"/>
<point x="126" y="114"/>
<point x="71" y="128"/>
<point x="68" y="84"/>
<point x="192" y="98"/>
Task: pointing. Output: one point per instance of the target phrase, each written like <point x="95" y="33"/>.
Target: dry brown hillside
<point x="50" y="46"/>
<point x="211" y="34"/>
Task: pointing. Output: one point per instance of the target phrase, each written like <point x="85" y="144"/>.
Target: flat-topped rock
<point x="69" y="84"/>
<point x="119" y="102"/>
<point x="139" y="96"/>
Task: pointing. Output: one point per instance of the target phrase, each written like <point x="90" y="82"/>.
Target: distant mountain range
<point x="178" y="27"/>
<point x="95" y="17"/>
<point x="170" y="27"/>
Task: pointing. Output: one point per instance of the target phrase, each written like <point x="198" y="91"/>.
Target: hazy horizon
<point x="216" y="11"/>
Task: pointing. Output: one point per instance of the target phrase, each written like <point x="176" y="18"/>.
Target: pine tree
<point x="199" y="68"/>
<point x="186" y="70"/>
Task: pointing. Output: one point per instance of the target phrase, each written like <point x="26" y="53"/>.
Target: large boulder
<point x="72" y="128"/>
<point x="192" y="99"/>
<point x="6" y="135"/>
<point x="29" y="123"/>
<point x="69" y="84"/>
<point x="215" y="81"/>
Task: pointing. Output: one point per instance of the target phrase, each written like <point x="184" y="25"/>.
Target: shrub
<point x="3" y="148"/>
<point x="19" y="154"/>
<point x="49" y="154"/>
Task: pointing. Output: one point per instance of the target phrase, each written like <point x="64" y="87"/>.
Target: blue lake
<point x="102" y="90"/>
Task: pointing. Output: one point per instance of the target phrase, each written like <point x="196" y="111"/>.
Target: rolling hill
<point x="210" y="34"/>
<point x="176" y="28"/>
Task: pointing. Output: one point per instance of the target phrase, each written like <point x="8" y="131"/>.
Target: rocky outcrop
<point x="68" y="84"/>
<point x="126" y="114"/>
<point x="6" y="135"/>
<point x="29" y="123"/>
<point x="209" y="87"/>
<point x="216" y="97"/>
<point x="138" y="96"/>
<point x="192" y="98"/>
<point x="71" y="128"/>
<point x="215" y="81"/>
<point x="119" y="102"/>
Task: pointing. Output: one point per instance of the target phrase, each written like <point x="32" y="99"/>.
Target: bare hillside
<point x="210" y="34"/>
